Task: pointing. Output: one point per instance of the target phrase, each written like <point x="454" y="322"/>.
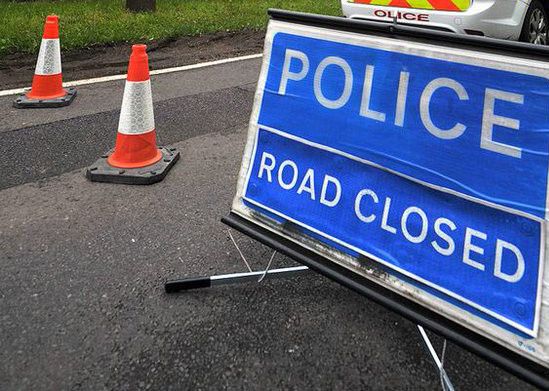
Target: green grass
<point x="86" y="23"/>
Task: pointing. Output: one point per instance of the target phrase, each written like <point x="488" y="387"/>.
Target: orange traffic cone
<point x="136" y="159"/>
<point x="47" y="89"/>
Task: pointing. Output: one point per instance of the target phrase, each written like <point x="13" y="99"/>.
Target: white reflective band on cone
<point x="136" y="116"/>
<point x="49" y="58"/>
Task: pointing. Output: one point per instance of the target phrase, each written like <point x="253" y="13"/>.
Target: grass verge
<point x="87" y="23"/>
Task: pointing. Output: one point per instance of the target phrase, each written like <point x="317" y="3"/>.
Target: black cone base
<point x="101" y="171"/>
<point x="23" y="102"/>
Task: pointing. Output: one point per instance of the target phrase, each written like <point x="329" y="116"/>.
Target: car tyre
<point x="534" y="28"/>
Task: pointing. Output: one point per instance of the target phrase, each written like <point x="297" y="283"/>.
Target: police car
<point x="519" y="20"/>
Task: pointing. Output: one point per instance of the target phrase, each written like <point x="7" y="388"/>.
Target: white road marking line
<point x="155" y="72"/>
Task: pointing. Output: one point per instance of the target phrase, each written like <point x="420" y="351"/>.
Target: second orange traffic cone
<point x="47" y="89"/>
<point x="136" y="158"/>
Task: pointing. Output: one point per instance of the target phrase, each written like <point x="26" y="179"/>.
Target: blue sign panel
<point x="486" y="258"/>
<point x="469" y="129"/>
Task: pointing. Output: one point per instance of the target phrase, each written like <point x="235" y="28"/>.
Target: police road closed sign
<point x="431" y="161"/>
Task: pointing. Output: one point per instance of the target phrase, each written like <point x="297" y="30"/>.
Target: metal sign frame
<point x="486" y="348"/>
<point x="483" y="347"/>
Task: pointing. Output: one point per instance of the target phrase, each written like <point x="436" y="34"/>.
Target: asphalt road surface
<point x="82" y="304"/>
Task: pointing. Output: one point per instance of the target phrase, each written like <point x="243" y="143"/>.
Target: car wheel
<point x="534" y="29"/>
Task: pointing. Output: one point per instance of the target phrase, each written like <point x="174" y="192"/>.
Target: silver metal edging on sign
<point x="512" y="362"/>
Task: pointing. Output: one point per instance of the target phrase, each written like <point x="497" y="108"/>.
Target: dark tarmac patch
<point x="66" y="145"/>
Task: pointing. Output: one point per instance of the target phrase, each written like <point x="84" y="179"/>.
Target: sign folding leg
<point x="184" y="284"/>
<point x="439" y="362"/>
